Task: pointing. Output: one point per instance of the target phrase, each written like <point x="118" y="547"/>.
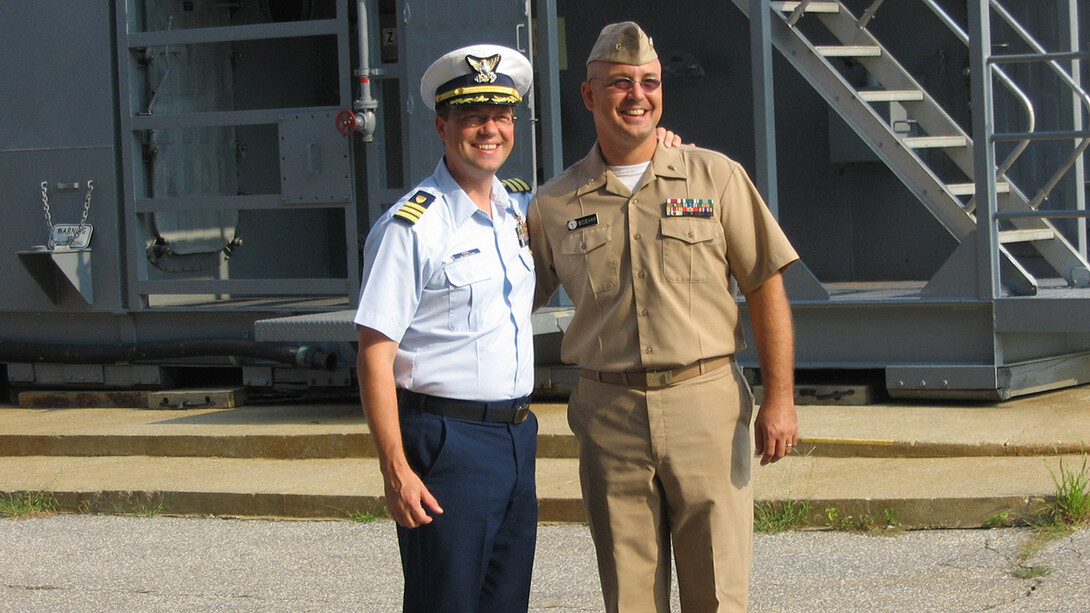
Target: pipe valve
<point x="349" y="122"/>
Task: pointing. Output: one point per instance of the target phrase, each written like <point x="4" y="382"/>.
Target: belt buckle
<point x="659" y="378"/>
<point x="522" y="411"/>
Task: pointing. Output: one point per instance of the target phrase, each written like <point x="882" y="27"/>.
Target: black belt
<point x="504" y="411"/>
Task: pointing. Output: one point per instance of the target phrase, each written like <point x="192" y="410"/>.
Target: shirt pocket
<point x="590" y="251"/>
<point x="693" y="249"/>
<point x="467" y="293"/>
<point x="520" y="274"/>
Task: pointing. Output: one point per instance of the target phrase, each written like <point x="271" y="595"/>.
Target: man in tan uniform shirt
<point x="645" y="241"/>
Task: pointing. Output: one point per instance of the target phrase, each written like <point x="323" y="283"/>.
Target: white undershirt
<point x="630" y="175"/>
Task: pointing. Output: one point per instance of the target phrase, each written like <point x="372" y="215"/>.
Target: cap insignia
<point x="485" y="67"/>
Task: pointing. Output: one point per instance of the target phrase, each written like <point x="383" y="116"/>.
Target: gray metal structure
<point x="187" y="184"/>
<point x="1005" y="312"/>
<point x="224" y="188"/>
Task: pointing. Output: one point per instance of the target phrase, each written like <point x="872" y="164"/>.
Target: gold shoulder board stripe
<point x="516" y="185"/>
<point x="414" y="207"/>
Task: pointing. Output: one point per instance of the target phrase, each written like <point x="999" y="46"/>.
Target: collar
<point x="666" y="163"/>
<point x="460" y="205"/>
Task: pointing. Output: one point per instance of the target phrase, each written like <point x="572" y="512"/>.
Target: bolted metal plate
<point x="315" y="167"/>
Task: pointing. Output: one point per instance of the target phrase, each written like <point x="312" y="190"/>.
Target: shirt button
<point x="634" y="201"/>
<point x="647" y="350"/>
<point x="637" y="236"/>
<point x="643" y="312"/>
<point x="640" y="275"/>
<point x="690" y="235"/>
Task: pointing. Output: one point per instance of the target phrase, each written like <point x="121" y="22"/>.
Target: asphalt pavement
<point x="105" y="563"/>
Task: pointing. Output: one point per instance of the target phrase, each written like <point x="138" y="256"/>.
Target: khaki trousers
<point x="668" y="466"/>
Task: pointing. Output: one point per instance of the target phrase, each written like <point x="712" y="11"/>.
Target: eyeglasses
<point x="477" y="120"/>
<point x="625" y="84"/>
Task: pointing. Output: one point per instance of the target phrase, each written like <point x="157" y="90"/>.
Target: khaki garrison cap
<point x="623" y="43"/>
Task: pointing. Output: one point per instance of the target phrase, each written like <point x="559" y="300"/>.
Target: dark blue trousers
<point x="477" y="557"/>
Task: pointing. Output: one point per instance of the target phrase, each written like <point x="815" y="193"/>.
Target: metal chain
<point x="49" y="217"/>
<point x="86" y="206"/>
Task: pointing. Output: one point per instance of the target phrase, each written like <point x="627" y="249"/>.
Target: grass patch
<point x="1032" y="572"/>
<point x="1001" y="519"/>
<point x="1071" y="504"/>
<point x="1060" y="516"/>
<point x="27" y="504"/>
<point x="864" y="522"/>
<point x="890" y="517"/>
<point x="149" y="506"/>
<point x="1042" y="535"/>
<point x="365" y="517"/>
<point x="770" y="517"/>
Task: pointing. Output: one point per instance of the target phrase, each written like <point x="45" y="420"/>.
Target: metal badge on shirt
<point x="583" y="222"/>
<point x="458" y="256"/>
<point x="690" y="207"/>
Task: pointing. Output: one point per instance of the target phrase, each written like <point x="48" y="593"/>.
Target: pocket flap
<point x="690" y="230"/>
<point x="468" y="271"/>
<point x="585" y="241"/>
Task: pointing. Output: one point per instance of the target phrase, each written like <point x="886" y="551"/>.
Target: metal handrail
<point x="1027" y="104"/>
<point x="1067" y="80"/>
<point x="1004" y="79"/>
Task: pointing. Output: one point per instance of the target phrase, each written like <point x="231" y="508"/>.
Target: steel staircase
<point x="906" y="128"/>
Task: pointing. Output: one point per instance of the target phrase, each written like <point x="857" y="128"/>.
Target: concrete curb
<point x="913" y="465"/>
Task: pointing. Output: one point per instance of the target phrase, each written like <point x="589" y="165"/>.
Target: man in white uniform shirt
<point x="445" y="357"/>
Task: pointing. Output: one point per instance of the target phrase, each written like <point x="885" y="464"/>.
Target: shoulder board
<point x="516" y="185"/>
<point x="414" y="207"/>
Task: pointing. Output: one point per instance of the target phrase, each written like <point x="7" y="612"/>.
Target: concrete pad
<point x="1046" y="424"/>
<point x="313" y="431"/>
<point x="928" y="464"/>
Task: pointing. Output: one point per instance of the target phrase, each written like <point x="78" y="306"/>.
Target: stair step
<point x="923" y="492"/>
<point x="931" y="142"/>
<point x="892" y="95"/>
<point x="1025" y="236"/>
<point x="969" y="189"/>
<point x="849" y="50"/>
<point x="814" y="7"/>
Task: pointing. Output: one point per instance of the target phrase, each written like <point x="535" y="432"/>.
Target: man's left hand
<point x="776" y="431"/>
<point x="668" y="139"/>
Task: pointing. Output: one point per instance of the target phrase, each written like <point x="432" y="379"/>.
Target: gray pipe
<point x="365" y="104"/>
<point x="301" y="356"/>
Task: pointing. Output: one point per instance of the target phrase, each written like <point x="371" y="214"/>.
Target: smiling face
<point x="624" y="118"/>
<point x="477" y="139"/>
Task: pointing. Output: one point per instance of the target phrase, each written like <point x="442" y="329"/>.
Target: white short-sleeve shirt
<point x="455" y="289"/>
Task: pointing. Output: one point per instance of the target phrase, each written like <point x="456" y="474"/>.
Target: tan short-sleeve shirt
<point x="649" y="272"/>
